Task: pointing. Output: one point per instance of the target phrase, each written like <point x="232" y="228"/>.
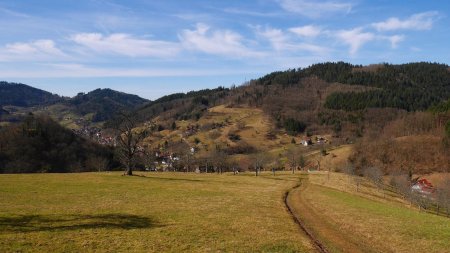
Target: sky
<point x="155" y="48"/>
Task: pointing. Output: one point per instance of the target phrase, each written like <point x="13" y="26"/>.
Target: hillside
<point x="336" y="97"/>
<point x="89" y="109"/>
<point x="103" y="104"/>
<point x="276" y="112"/>
<point x="39" y="144"/>
<point x="18" y="94"/>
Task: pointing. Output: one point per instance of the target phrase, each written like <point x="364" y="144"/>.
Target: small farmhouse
<point x="306" y="142"/>
<point x="422" y="186"/>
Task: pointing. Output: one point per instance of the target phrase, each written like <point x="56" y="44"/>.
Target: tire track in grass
<point x="319" y="246"/>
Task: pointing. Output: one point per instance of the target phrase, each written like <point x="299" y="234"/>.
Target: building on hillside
<point x="306" y="142"/>
<point x="321" y="140"/>
<point x="423" y="186"/>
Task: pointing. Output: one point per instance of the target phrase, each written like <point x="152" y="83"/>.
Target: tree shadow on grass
<point x="37" y="223"/>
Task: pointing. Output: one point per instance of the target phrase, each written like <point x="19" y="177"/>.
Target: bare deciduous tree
<point x="148" y="158"/>
<point x="128" y="141"/>
<point x="259" y="159"/>
<point x="376" y="176"/>
<point x="351" y="171"/>
<point x="295" y="158"/>
<point x="219" y="160"/>
<point x="234" y="164"/>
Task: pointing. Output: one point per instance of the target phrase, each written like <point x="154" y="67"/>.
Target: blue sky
<point x="154" y="48"/>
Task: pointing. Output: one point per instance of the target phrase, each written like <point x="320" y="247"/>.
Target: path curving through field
<point x="319" y="246"/>
<point x="324" y="235"/>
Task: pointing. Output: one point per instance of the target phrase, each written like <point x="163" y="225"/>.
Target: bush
<point x="234" y="137"/>
<point x="294" y="126"/>
<point x="241" y="148"/>
<point x="214" y="134"/>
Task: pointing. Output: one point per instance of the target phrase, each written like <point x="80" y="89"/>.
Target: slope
<point x="103" y="104"/>
<point x="18" y="94"/>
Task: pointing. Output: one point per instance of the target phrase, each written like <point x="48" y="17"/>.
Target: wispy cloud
<point x="419" y="21"/>
<point x="281" y="41"/>
<point x="355" y="38"/>
<point x="125" y="44"/>
<point x="251" y="13"/>
<point x="276" y="37"/>
<point x="36" y="50"/>
<point x="218" y="42"/>
<point x="306" y="31"/>
<point x="315" y="9"/>
<point x="395" y="40"/>
<point x="13" y="13"/>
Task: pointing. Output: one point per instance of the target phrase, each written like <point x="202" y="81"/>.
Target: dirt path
<point x="325" y="235"/>
<point x="319" y="246"/>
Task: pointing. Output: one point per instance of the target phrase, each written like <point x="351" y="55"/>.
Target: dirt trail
<point x="319" y="246"/>
<point x="325" y="236"/>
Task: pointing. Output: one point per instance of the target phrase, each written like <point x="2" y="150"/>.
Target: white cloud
<point x="36" y="50"/>
<point x="125" y="44"/>
<point x="395" y="39"/>
<point x="219" y="42"/>
<point x="420" y="21"/>
<point x="306" y="31"/>
<point x="281" y="41"/>
<point x="315" y="9"/>
<point x="276" y="37"/>
<point x="355" y="38"/>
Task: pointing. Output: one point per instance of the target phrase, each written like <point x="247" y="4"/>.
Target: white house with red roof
<point x="423" y="186"/>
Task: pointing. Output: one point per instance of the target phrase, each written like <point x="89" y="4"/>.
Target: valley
<point x="315" y="159"/>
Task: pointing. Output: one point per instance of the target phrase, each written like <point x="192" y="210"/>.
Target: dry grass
<point x="158" y="212"/>
<point x="368" y="221"/>
<point x="251" y="124"/>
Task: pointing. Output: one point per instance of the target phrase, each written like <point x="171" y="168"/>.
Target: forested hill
<point x="18" y="94"/>
<point x="39" y="144"/>
<point x="412" y="86"/>
<point x="183" y="105"/>
<point x="105" y="103"/>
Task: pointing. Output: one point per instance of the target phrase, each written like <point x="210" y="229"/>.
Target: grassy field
<point x="158" y="212"/>
<point x="365" y="221"/>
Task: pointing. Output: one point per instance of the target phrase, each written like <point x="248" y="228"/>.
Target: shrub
<point x="294" y="126"/>
<point x="234" y="137"/>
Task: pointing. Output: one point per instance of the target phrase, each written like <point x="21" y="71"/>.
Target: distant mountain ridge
<point x="18" y="94"/>
<point x="101" y="103"/>
<point x="317" y="94"/>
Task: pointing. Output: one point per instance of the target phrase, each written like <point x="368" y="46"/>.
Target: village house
<point x="306" y="142"/>
<point x="320" y="140"/>
<point x="422" y="186"/>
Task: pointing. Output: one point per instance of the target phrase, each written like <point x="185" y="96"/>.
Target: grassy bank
<point x="349" y="221"/>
